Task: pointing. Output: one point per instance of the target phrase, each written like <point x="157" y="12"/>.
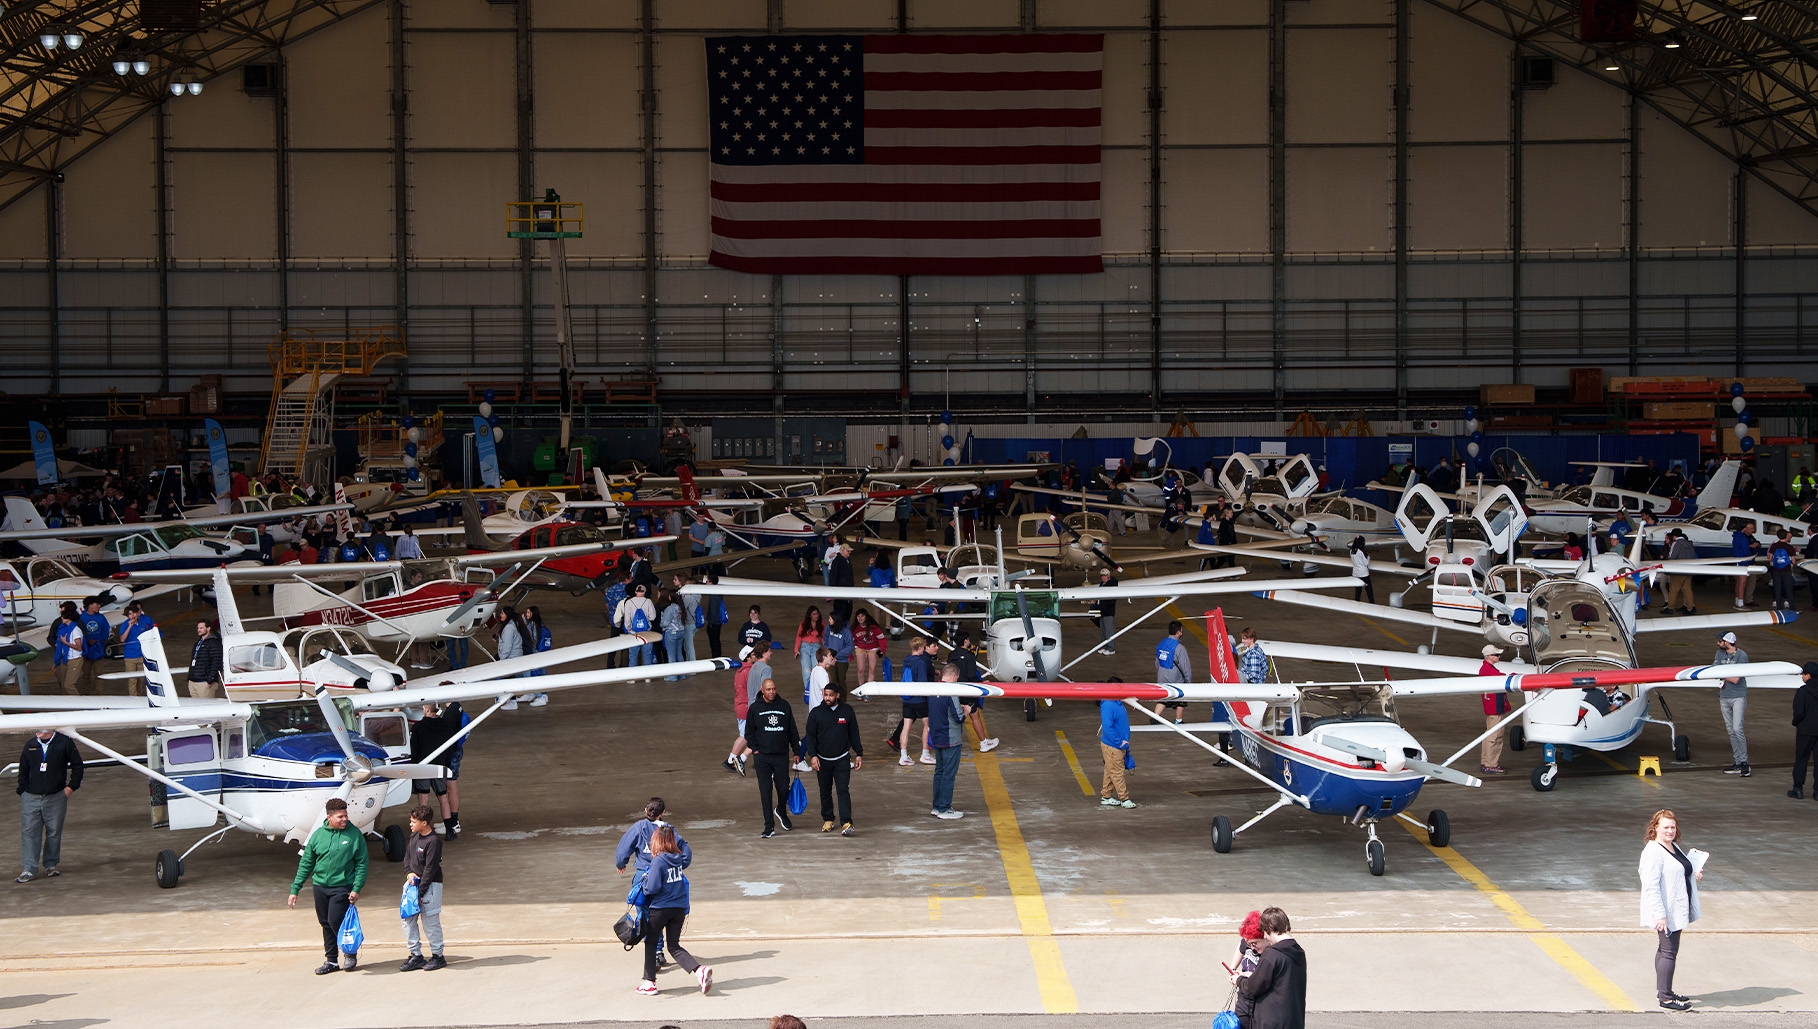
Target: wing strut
<point x="1287" y="797"/>
<point x="232" y="816"/>
<point x="1097" y="647"/>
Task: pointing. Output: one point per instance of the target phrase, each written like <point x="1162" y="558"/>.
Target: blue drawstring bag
<point x="798" y="797"/>
<point x="1129" y="760"/>
<point x="700" y="618"/>
<point x="351" y="935"/>
<point x="411" y="904"/>
<point x="1225" y="1020"/>
<point x="635" y="897"/>
<point x="886" y="676"/>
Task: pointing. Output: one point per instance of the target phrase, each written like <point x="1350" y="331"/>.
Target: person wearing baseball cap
<point x="1732" y="698"/>
<point x="1495" y="709"/>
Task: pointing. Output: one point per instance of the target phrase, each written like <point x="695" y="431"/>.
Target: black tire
<point x="394" y="842"/>
<point x="1029" y="710"/>
<point x="167" y="869"/>
<point x="1518" y="740"/>
<point x="1439" y="828"/>
<point x="1221" y="834"/>
<point x="1682" y="748"/>
<point x="1545" y="778"/>
<point x="1376" y="855"/>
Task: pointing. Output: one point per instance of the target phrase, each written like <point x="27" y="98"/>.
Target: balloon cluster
<point x="412" y="436"/>
<point x="486" y="412"/>
<point x="948" y="443"/>
<point x="1473" y="430"/>
<point x="1745" y="418"/>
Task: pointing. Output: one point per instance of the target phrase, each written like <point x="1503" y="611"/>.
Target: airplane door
<point x="192" y="757"/>
<point x="1503" y="520"/>
<point x="1421" y="515"/>
<point x="1298" y="477"/>
<point x="1237" y="475"/>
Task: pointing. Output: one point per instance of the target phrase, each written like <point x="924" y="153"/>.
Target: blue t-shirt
<point x="94" y="635"/>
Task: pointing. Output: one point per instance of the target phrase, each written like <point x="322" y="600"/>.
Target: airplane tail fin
<point x="600" y="483"/>
<point x="690" y="492"/>
<point x="160" y="686"/>
<point x="21" y="515"/>
<point x="343" y="520"/>
<point x="1721" y="488"/>
<point x="1220" y="659"/>
<point x="226" y="608"/>
<point x="475" y="525"/>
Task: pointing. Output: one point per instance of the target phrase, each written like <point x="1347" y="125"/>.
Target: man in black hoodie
<point x="831" y="745"/>
<point x="1279" y="983"/>
<point x="770" y="729"/>
<point x="1805" y="725"/>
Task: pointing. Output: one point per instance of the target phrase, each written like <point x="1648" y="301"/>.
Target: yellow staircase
<point x="306" y="364"/>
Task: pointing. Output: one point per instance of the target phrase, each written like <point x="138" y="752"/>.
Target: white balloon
<point x="414" y="434"/>
<point x="954" y="453"/>
<point x="485" y="409"/>
<point x="409" y="462"/>
<point x="1470" y="426"/>
<point x="1737" y="404"/>
<point x="1743" y="429"/>
<point x="498" y="433"/>
<point x="1471" y="448"/>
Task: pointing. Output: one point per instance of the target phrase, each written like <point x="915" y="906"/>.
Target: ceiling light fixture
<point x="72" y="39"/>
<point x="1674" y="40"/>
<point x="141" y="67"/>
<point x="176" y="89"/>
<point x="1611" y="65"/>
<point x="195" y="89"/>
<point x="50" y="38"/>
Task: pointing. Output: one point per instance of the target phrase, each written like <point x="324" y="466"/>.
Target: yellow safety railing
<point x="543" y="219"/>
<point x="319" y="352"/>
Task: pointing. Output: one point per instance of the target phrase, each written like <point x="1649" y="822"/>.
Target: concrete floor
<point x="1038" y="901"/>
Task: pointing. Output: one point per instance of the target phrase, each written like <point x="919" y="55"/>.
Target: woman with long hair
<point x="671" y="618"/>
<point x="808" y="638"/>
<point x="541" y="640"/>
<point x="868" y="644"/>
<point x="1669" y="899"/>
<point x="666" y="897"/>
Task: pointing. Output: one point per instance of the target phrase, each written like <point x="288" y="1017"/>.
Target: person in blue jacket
<point x="946" y="734"/>
<point x="95" y="631"/>
<point x="1114" y="747"/>
<point x="666" y="908"/>
<point x="133" y="627"/>
<point x="634" y="849"/>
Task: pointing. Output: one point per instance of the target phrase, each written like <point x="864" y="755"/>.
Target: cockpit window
<point x="262" y="657"/>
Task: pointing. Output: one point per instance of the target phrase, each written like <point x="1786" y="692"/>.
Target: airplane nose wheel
<point x="1029" y="710"/>
<point x="394" y="842"/>
<point x="167" y="869"/>
<point x="1545" y="778"/>
<point x="1375" y="854"/>
<point x="1682" y="749"/>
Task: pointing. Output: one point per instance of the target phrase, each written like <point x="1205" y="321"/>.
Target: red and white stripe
<point x="981" y="157"/>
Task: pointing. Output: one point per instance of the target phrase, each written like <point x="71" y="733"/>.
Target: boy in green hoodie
<point x="336" y="857"/>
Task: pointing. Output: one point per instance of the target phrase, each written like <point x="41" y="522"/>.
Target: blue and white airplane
<point x="142" y="546"/>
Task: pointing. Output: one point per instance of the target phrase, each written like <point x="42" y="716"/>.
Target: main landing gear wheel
<point x="1439" y="828"/>
<point x="394" y="842"/>
<point x="1221" y="834"/>
<point x="1029" y="710"/>
<point x="1377" y="855"/>
<point x="1518" y="740"/>
<point x="1682" y="748"/>
<point x="1545" y="778"/>
<point x="167" y="869"/>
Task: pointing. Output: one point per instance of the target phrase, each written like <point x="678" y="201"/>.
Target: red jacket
<point x="871" y="637"/>
<point x="1493" y="703"/>
<point x="741" y="697"/>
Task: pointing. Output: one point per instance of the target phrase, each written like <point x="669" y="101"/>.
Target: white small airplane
<point x="33" y="590"/>
<point x="1582" y="504"/>
<point x="268" y="765"/>
<point x="1710" y="531"/>
<point x="141" y="546"/>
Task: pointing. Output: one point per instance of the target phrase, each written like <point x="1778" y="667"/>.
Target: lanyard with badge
<point x="44" y="752"/>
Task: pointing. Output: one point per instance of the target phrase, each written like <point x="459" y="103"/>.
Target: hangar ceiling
<point x="1741" y="76"/>
<point x="55" y="105"/>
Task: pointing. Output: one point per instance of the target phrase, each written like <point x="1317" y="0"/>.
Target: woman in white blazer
<point x="1669" y="900"/>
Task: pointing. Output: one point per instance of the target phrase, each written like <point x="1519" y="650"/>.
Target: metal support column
<point x="648" y="106"/>
<point x="1634" y="232"/>
<point x="1740" y="231"/>
<point x="527" y="248"/>
<point x="281" y="157"/>
<point x="1402" y="87"/>
<point x="1517" y="105"/>
<point x="400" y="184"/>
<point x="53" y="302"/>
<point x="1155" y="205"/>
<point x="1278" y="194"/>
<point x="902" y="284"/>
<point x="161" y="160"/>
<point x="1030" y="348"/>
<point x="776" y="360"/>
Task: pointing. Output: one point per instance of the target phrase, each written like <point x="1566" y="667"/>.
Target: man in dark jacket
<point x="1805" y="727"/>
<point x="770" y="729"/>
<point x="1279" y="985"/>
<point x="435" y="728"/>
<point x="50" y="769"/>
<point x="830" y="743"/>
<point x="839" y="573"/>
<point x="947" y="738"/>
<point x="205" y="662"/>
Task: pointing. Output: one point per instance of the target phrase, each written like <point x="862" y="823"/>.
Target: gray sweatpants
<point x="41" y="830"/>
<point x="1732" y="724"/>
<point x="429" y="899"/>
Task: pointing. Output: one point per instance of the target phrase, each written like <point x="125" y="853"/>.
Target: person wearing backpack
<point x="666" y="894"/>
<point x="634" y="849"/>
<point x="1173" y="664"/>
<point x="916" y="668"/>
<point x="637" y="614"/>
<point x="614" y="595"/>
<point x="1781" y="560"/>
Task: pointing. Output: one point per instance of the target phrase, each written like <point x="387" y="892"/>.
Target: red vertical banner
<point x="1607" y="21"/>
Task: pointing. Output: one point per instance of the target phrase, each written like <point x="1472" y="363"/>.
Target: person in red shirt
<point x="868" y="644"/>
<point x="1495" y="709"/>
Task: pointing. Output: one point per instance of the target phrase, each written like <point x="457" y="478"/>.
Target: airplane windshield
<point x="295" y="718"/>
<point x="570" y="535"/>
<point x="1041" y="604"/>
<point x="1712" y="519"/>
<point x="1577" y="496"/>
<point x="1346" y="704"/>
<point x="171" y="535"/>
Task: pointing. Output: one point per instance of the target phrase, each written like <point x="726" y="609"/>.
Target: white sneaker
<point x="927" y="758"/>
<point x="1109" y="802"/>
<point x="512" y="704"/>
<point x="905" y="760"/>
<point x="949" y="815"/>
<point x="1128" y="803"/>
<point x="539" y="700"/>
<point x="705" y="976"/>
<point x="985" y="745"/>
<point x="802" y="766"/>
<point x="936" y="812"/>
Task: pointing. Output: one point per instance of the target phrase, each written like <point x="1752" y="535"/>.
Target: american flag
<point x="955" y="155"/>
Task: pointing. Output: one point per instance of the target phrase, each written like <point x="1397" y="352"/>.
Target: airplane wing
<point x="1364" y="657"/>
<point x="1733" y="620"/>
<point x="46" y="702"/>
<point x="881" y="594"/>
<point x="496" y="557"/>
<point x="128" y="529"/>
<point x="255" y="572"/>
<point x="483" y="689"/>
<point x="143" y="717"/>
<point x="529" y="662"/>
<point x="1086" y="690"/>
<point x="729" y="557"/>
<point x="1328" y="560"/>
<point x="1766" y="674"/>
<point x="1270" y="587"/>
<point x="1407" y="616"/>
<point x="254" y="517"/>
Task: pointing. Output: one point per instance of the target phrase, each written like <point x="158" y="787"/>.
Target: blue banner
<point x="43" y="454"/>
<point x="217" y="457"/>
<point x="485" y="453"/>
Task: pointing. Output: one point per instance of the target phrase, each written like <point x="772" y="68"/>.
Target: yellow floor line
<point x="1795" y="637"/>
<point x="1079" y="774"/>
<point x="1551" y="945"/>
<point x="1371" y="622"/>
<point x="1031" y="910"/>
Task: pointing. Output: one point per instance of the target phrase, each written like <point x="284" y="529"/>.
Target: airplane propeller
<point x="377" y="680"/>
<point x="356" y="768"/>
<point x="1096" y="549"/>
<point x="1031" y="643"/>
<point x="481" y="596"/>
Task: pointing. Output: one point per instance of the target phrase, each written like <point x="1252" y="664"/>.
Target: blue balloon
<point x="409" y="421"/>
<point x="1747" y="443"/>
<point x="1746" y="416"/>
<point x="487" y="396"/>
<point x="414" y="475"/>
<point x="493" y="421"/>
<point x="947" y="461"/>
<point x="946" y="442"/>
<point x="947" y="417"/>
<point x="1470" y="412"/>
<point x="1735" y="389"/>
<point x="411" y="449"/>
<point x="1477" y="436"/>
